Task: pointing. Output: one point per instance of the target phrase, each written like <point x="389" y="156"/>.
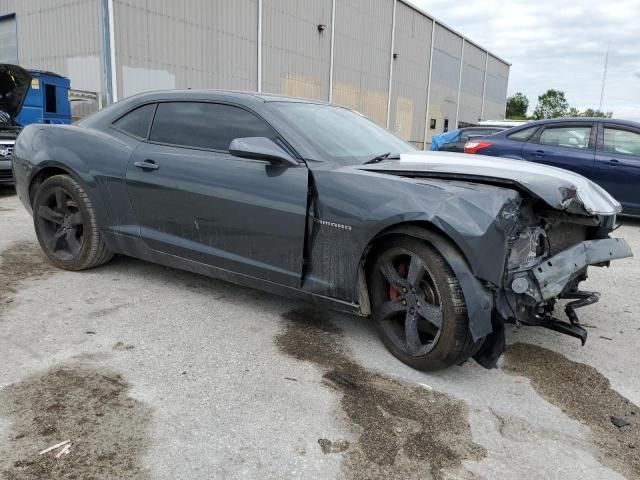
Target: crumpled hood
<point x="14" y="85"/>
<point x="561" y="189"/>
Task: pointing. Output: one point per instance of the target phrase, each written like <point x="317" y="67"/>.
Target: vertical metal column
<point x="259" y="45"/>
<point x="393" y="45"/>
<point x="460" y="83"/>
<point x="332" y="53"/>
<point x="484" y="85"/>
<point x="109" y="74"/>
<point x="427" y="116"/>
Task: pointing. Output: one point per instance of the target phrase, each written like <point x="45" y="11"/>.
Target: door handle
<point x="540" y="153"/>
<point x="147" y="165"/>
<point x="614" y="162"/>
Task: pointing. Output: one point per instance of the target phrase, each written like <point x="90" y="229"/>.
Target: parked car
<point x="606" y="151"/>
<point x="314" y="201"/>
<point x="14" y="85"/>
<point x="502" y="123"/>
<point x="455" y="141"/>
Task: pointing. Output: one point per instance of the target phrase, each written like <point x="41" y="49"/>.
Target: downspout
<point x="393" y="46"/>
<point x="260" y="45"/>
<point x="333" y="43"/>
<point x="427" y="119"/>
<point x="460" y="83"/>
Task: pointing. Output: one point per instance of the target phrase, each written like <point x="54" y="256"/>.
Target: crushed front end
<point x="548" y="257"/>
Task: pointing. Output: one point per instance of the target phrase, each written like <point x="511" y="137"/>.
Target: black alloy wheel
<point x="61" y="224"/>
<point x="65" y="222"/>
<point x="418" y="305"/>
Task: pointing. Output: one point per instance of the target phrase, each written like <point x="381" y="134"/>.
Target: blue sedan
<point x="604" y="150"/>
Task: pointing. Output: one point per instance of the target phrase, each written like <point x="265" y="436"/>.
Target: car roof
<point x="218" y="93"/>
<point x="579" y="120"/>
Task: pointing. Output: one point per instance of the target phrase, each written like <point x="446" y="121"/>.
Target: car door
<point x="565" y="145"/>
<point x="618" y="164"/>
<point x="194" y="200"/>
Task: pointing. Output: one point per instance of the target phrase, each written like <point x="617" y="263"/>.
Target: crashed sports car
<point x="311" y="200"/>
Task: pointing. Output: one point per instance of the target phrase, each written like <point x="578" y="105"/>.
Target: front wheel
<point x="65" y="224"/>
<point x="418" y="305"/>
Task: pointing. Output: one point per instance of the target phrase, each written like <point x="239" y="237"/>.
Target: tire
<point x="418" y="306"/>
<point x="65" y="223"/>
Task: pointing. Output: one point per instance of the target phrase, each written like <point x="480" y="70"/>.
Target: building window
<point x="446" y="124"/>
<point x="432" y="124"/>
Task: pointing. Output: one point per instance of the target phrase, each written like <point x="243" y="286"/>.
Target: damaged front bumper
<point x="551" y="277"/>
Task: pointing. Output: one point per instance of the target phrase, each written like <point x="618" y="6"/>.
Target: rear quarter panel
<point x="502" y="146"/>
<point x="96" y="160"/>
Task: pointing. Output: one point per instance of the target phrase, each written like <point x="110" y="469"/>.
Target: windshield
<point x="340" y="134"/>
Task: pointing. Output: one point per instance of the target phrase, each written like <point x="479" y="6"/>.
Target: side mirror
<point x="261" y="148"/>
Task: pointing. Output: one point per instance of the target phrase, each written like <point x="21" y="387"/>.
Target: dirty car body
<point x="300" y="218"/>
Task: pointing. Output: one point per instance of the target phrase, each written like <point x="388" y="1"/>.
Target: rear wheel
<point x="418" y="306"/>
<point x="66" y="227"/>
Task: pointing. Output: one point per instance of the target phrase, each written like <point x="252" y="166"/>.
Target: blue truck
<point x="28" y="97"/>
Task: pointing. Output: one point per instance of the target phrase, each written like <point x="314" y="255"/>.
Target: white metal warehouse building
<point x="383" y="58"/>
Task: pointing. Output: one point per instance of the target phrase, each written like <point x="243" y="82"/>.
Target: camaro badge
<point x="333" y="224"/>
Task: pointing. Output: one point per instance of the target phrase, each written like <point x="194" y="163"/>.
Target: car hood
<point x="14" y="85"/>
<point x="560" y="189"/>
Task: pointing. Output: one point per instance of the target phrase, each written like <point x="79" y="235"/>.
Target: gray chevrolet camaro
<point x="311" y="200"/>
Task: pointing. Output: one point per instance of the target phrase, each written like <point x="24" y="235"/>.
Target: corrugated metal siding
<point x="62" y="37"/>
<point x="362" y="56"/>
<point x="213" y="44"/>
<point x="410" y="74"/>
<point x="495" y="103"/>
<point x="296" y="57"/>
<point x="470" y="109"/>
<point x="444" y="79"/>
<point x="8" y="40"/>
<point x="194" y="44"/>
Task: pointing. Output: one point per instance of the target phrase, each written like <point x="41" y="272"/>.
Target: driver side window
<point x="622" y="142"/>
<point x="210" y="126"/>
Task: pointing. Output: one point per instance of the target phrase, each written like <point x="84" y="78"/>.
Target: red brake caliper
<point x="402" y="271"/>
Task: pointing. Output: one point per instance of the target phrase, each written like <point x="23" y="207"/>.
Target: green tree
<point x="573" y="112"/>
<point x="517" y="106"/>
<point x="552" y="104"/>
<point x="590" y="112"/>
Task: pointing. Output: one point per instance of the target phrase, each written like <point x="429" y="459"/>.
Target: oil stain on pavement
<point x="585" y="395"/>
<point x="91" y="408"/>
<point x="20" y="262"/>
<point x="404" y="431"/>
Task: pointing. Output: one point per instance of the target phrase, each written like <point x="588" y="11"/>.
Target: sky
<point x="558" y="44"/>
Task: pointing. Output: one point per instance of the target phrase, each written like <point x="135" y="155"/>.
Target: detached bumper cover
<point x="553" y="275"/>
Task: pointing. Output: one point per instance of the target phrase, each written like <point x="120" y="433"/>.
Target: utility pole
<point x="604" y="77"/>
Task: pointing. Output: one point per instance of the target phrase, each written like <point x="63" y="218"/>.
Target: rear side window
<point x="572" y="137"/>
<point x="205" y="125"/>
<point x="622" y="142"/>
<point x="137" y="122"/>
<point x="522" y="135"/>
